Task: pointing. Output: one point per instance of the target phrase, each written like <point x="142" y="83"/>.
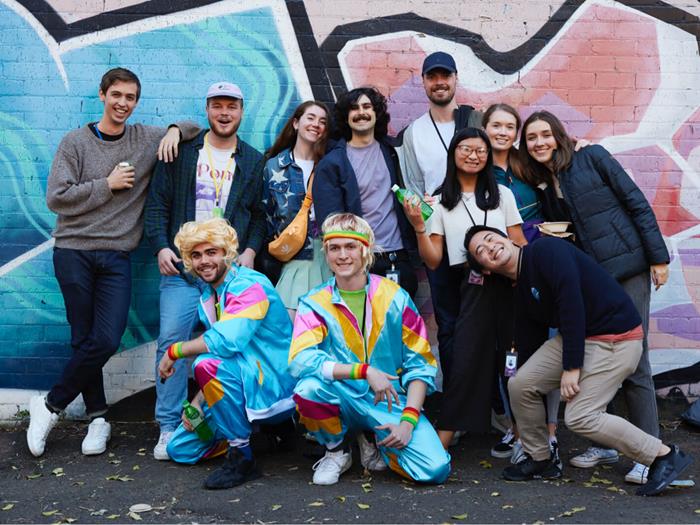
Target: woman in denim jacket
<point x="290" y="163"/>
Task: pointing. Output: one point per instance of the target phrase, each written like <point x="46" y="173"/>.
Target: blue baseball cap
<point x="439" y="60"/>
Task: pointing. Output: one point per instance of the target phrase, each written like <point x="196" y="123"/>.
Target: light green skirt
<point x="300" y="276"/>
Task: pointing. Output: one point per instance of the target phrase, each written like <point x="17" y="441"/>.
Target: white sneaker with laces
<point x="370" y="458"/>
<point x="160" y="451"/>
<point x="328" y="469"/>
<point x="638" y="474"/>
<point x="41" y="421"/>
<point x="518" y="453"/>
<point x="595" y="456"/>
<point x="99" y="432"/>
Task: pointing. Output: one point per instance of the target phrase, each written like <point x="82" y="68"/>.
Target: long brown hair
<point x="535" y="172"/>
<point x="513" y="159"/>
<point x="287" y="138"/>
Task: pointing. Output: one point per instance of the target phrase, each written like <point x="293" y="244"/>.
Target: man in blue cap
<point x="423" y="158"/>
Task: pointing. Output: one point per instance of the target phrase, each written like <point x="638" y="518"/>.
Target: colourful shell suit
<point x="325" y="330"/>
<point x="244" y="375"/>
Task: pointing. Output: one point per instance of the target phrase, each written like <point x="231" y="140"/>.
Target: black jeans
<point x="96" y="288"/>
<point x="445" y="282"/>
<point x="401" y="261"/>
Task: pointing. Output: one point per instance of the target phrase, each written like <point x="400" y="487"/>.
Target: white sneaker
<point x="638" y="474"/>
<point x="370" y="458"/>
<point x="41" y="421"/>
<point x="518" y="453"/>
<point x="99" y="432"/>
<point x="160" y="451"/>
<point x="595" y="456"/>
<point x="328" y="469"/>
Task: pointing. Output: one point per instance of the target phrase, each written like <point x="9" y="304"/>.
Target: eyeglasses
<point x="468" y="150"/>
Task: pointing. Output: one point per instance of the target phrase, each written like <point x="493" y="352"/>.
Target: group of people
<point x="329" y="335"/>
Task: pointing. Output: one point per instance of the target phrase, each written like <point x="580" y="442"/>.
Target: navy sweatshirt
<point x="559" y="286"/>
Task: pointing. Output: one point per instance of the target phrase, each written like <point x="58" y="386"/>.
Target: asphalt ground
<point x="64" y="486"/>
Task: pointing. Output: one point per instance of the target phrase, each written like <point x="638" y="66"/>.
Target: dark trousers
<point x="96" y="288"/>
<point x="445" y="282"/>
<point x="402" y="263"/>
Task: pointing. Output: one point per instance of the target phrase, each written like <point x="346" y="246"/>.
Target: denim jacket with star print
<point x="283" y="193"/>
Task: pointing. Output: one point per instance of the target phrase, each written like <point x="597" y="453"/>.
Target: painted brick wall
<point x="624" y="74"/>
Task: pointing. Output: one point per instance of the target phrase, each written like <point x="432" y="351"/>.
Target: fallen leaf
<point x="485" y="464"/>
<point x="34" y="476"/>
<point x="115" y="461"/>
<point x="340" y="499"/>
<point x="363" y="506"/>
<point x="58" y="472"/>
<point x="291" y="469"/>
<point x="367" y="487"/>
<point x="49" y="512"/>
<point x="8" y="506"/>
<point x="79" y="483"/>
<point x="135" y="467"/>
<point x="112" y="516"/>
<point x="476" y="481"/>
<point x="100" y="512"/>
<point x="494" y="494"/>
<point x="110" y="454"/>
<point x="316" y="504"/>
<point x="696" y="511"/>
<point x="571" y="512"/>
<point x="68" y="520"/>
<point x="604" y="481"/>
<point x="135" y="516"/>
<point x="460" y="516"/>
<point x="276" y="507"/>
<point x="507" y="507"/>
<point x="232" y="500"/>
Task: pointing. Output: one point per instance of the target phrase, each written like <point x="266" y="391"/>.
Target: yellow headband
<point x="344" y="234"/>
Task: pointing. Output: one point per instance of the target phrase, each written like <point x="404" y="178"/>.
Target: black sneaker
<point x="664" y="470"/>
<point x="504" y="448"/>
<point x="235" y="471"/>
<point x="531" y="469"/>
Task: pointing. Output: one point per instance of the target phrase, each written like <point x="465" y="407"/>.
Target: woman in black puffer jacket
<point x="614" y="224"/>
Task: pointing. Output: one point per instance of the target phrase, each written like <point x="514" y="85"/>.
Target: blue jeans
<point x="178" y="318"/>
<point x="96" y="288"/>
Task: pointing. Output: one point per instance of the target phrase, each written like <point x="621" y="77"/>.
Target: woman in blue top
<point x="291" y="161"/>
<point x="502" y="123"/>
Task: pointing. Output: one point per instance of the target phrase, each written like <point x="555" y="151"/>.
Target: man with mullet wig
<point x="360" y="351"/>
<point x="240" y="363"/>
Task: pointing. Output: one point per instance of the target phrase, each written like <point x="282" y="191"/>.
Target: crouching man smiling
<point x="242" y="355"/>
<point x="598" y="345"/>
<point x="364" y="364"/>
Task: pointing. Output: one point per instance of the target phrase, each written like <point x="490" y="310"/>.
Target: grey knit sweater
<point x="90" y="215"/>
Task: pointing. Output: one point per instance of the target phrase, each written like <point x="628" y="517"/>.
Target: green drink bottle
<point x="196" y="419"/>
<point x="402" y="194"/>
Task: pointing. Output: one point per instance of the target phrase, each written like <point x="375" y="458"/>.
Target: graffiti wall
<point x="624" y="74"/>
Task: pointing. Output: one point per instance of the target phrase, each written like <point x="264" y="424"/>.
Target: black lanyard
<point x="486" y="213"/>
<point x="437" y="131"/>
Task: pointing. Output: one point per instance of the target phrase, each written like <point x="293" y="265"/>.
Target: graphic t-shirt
<point x="206" y="185"/>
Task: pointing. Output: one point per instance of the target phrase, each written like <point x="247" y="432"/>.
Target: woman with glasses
<point x="470" y="196"/>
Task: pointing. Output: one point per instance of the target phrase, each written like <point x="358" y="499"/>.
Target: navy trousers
<point x="96" y="288"/>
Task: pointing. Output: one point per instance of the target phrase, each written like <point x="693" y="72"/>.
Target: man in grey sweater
<point x="97" y="186"/>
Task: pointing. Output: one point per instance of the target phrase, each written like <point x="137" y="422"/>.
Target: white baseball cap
<point x="224" y="89"/>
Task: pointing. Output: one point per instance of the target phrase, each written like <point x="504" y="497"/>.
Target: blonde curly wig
<point x="215" y="231"/>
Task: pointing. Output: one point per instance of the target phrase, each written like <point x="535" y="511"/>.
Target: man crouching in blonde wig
<point x="241" y="357"/>
<point x="361" y="353"/>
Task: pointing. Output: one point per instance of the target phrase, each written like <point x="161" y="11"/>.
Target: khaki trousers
<point x="605" y="367"/>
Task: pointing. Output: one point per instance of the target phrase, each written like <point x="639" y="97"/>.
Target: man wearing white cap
<point x="216" y="175"/>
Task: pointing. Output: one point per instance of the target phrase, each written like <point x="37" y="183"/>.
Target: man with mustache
<point x="216" y="175"/>
<point x="356" y="176"/>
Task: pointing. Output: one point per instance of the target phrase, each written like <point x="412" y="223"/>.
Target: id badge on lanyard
<point x="393" y="274"/>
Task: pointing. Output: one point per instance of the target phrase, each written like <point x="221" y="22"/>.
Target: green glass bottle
<point x="197" y="421"/>
<point x="402" y="194"/>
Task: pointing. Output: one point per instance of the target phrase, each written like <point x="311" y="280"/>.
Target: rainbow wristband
<point x="175" y="351"/>
<point x="410" y="415"/>
<point x="359" y="371"/>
